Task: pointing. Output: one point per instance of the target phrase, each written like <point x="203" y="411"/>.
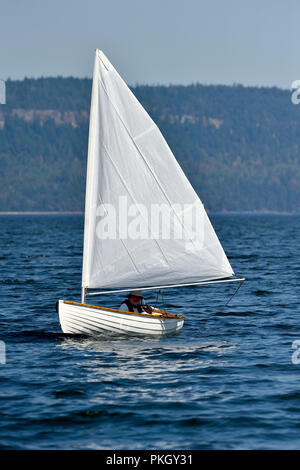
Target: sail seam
<point x="122" y="241"/>
<point x="144" y="133"/>
<point x="120" y="176"/>
<point x="145" y="160"/>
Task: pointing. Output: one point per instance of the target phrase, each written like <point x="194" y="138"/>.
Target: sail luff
<point x="91" y="176"/>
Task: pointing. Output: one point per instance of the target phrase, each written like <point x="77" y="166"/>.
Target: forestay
<point x="130" y="162"/>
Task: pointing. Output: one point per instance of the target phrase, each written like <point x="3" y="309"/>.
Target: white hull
<point x="76" y="318"/>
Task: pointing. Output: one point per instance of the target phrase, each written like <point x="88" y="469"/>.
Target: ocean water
<point x="229" y="380"/>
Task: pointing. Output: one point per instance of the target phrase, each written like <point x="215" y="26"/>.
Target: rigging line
<point x="235" y="292"/>
<point x="229" y="300"/>
<point x="159" y="292"/>
<point x="231" y="297"/>
<point x="162" y="297"/>
<point x="156" y="302"/>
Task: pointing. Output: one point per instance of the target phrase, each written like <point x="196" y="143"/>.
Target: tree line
<point x="239" y="146"/>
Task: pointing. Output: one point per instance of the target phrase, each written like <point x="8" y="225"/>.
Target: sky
<point x="254" y="42"/>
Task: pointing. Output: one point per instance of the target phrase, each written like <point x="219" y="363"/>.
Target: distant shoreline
<point x="210" y="213"/>
<point x="253" y="213"/>
<point x="41" y="213"/>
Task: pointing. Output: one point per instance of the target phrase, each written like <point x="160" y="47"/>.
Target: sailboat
<point x="132" y="174"/>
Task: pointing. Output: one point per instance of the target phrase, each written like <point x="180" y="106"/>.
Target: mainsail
<point x="132" y="175"/>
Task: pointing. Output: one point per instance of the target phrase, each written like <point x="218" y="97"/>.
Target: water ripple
<point x="226" y="381"/>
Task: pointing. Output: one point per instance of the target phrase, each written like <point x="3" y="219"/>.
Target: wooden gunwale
<point x="163" y="314"/>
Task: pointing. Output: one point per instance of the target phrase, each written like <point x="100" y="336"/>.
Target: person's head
<point x="135" y="297"/>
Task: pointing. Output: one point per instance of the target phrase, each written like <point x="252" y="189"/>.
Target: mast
<point x="91" y="181"/>
<point x="83" y="295"/>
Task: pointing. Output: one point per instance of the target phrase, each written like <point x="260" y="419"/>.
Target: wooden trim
<point x="163" y="314"/>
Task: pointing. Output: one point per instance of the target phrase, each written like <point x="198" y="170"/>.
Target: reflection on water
<point x="148" y="363"/>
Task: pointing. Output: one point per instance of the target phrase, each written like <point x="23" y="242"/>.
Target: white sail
<point x="132" y="175"/>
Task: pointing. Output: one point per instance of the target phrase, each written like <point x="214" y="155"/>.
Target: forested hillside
<point x="239" y="146"/>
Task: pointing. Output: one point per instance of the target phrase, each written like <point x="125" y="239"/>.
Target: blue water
<point x="226" y="382"/>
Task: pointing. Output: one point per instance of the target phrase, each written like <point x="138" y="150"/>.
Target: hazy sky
<point x="254" y="42"/>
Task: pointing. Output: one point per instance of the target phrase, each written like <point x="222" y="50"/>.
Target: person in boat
<point x="135" y="303"/>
